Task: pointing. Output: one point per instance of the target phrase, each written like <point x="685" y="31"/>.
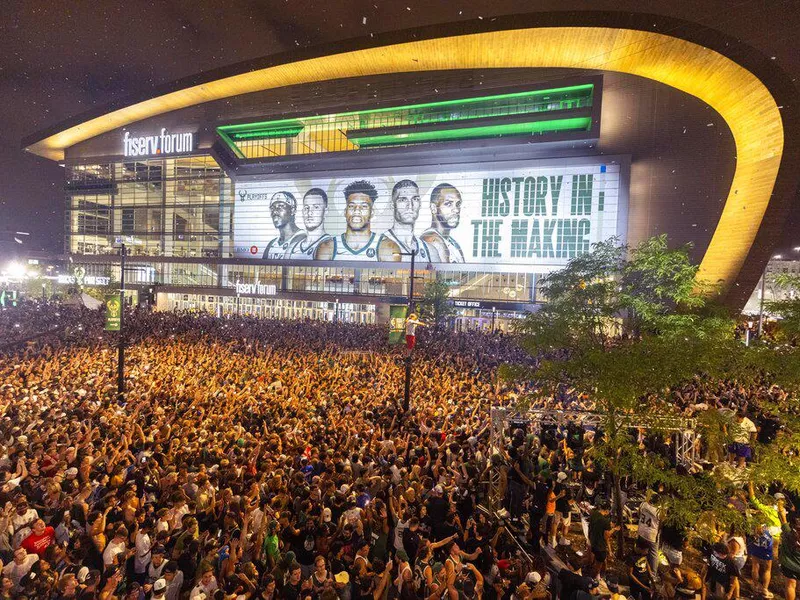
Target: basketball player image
<point x="282" y="208"/>
<point x="315" y="205"/>
<point x="397" y="243"/>
<point x="445" y="215"/>
<point x="358" y="242"/>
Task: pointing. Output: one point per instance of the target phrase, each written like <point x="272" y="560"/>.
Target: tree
<point x="651" y="287"/>
<point x="629" y="325"/>
<point x="436" y="305"/>
<point x="787" y="307"/>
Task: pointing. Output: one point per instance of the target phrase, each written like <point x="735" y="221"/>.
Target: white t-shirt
<point x="142" y="558"/>
<point x="16" y="572"/>
<point x="202" y="589"/>
<point x="22" y="525"/>
<point x="742" y="431"/>
<point x="113" y="548"/>
<point x="174" y="586"/>
<point x="648" y="522"/>
<point x="411" y="327"/>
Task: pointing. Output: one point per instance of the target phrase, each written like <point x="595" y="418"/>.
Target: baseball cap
<point x="533" y="577"/>
<point x="83" y="572"/>
<point x="284" y="197"/>
<point x="326" y="515"/>
<point x="561" y="476"/>
<point x="343" y="577"/>
<point x="438" y="489"/>
<point x="160" y="585"/>
<point x="779" y="496"/>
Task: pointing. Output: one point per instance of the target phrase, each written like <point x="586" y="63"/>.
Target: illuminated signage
<point x="256" y="289"/>
<point x="153" y="145"/>
<point x="532" y="218"/>
<point x="466" y="303"/>
<point x="85" y="280"/>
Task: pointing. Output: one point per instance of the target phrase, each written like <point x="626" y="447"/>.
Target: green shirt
<point x="790" y="551"/>
<point x="598" y="525"/>
<point x="770" y="513"/>
<point x="271" y="545"/>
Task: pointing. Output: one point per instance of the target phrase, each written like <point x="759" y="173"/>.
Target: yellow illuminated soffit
<point x="736" y="94"/>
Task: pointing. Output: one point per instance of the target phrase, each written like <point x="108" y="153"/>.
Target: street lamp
<point x="121" y="347"/>
<point x="747" y="333"/>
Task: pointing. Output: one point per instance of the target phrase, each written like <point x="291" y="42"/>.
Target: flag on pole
<point x="113" y="312"/>
<point x="397" y="323"/>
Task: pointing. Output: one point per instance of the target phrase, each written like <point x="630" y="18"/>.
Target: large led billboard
<point x="536" y="216"/>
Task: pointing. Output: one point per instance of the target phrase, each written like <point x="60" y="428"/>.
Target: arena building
<point x="298" y="186"/>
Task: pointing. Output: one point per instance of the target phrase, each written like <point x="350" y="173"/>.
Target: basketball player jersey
<point x="345" y="252"/>
<point x="420" y="246"/>
<point x="454" y="252"/>
<point x="275" y="250"/>
<point x="301" y="252"/>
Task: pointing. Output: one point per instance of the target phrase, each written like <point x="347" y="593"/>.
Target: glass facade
<point x="267" y="308"/>
<point x="161" y="207"/>
<point x="175" y="215"/>
<point x="310" y="280"/>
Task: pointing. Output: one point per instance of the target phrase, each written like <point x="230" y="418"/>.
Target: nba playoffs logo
<point x="245" y="196"/>
<point x="80" y="274"/>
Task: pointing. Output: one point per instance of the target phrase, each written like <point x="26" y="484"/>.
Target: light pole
<point x="121" y="346"/>
<point x="407" y="388"/>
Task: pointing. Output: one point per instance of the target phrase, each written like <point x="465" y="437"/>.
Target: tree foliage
<point x="435" y="305"/>
<point x="787" y="309"/>
<point x="629" y="326"/>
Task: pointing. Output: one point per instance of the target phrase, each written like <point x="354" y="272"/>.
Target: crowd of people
<point x="272" y="459"/>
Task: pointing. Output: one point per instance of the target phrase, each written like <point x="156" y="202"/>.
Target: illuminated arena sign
<point x="153" y="145"/>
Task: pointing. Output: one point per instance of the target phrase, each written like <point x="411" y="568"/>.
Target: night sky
<point x="59" y="59"/>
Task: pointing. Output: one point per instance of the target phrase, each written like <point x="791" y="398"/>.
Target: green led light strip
<point x="277" y="132"/>
<point x="231" y="144"/>
<point x="572" y="124"/>
<point x="586" y="88"/>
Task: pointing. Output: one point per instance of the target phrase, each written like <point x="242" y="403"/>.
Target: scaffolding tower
<point x="683" y="430"/>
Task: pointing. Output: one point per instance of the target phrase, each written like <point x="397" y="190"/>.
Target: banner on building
<point x="540" y="215"/>
<point x="397" y="323"/>
<point x="113" y="312"/>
